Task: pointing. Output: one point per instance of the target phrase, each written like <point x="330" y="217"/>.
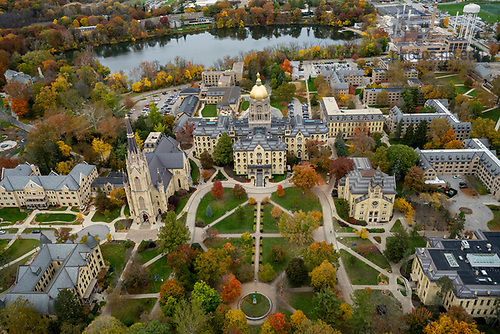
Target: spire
<point x="132" y="144"/>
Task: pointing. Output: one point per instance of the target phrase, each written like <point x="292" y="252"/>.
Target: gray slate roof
<point x="188" y="105"/>
<point x="474" y="148"/>
<point x="167" y="155"/>
<point x="72" y="257"/>
<point x="49" y="182"/>
<point x="116" y="179"/>
<point x="259" y="138"/>
<point x="19" y="170"/>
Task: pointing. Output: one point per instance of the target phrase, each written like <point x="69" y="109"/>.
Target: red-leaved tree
<point x="279" y="323"/>
<point x="280" y="192"/>
<point x="340" y="167"/>
<point x="217" y="189"/>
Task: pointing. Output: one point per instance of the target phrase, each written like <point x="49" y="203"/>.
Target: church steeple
<point x="132" y="143"/>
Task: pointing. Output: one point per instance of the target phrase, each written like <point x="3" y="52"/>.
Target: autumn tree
<point x="62" y="235"/>
<point x="206" y="160"/>
<point x="323" y="276"/>
<point x="404" y="206"/>
<point x="297" y="320"/>
<point x="238" y="191"/>
<point x="182" y="262"/>
<point x="101" y="148"/>
<point x="235" y="319"/>
<point x="414" y="179"/>
<point x="19" y="107"/>
<point x="382" y="98"/>
<point x="170" y="293"/>
<point x="340" y="167"/>
<point x="190" y="317"/>
<point x="20" y="316"/>
<point x="299" y="227"/>
<point x="217" y="189"/>
<point x="446" y="326"/>
<point x="318" y="252"/>
<point x="172" y="234"/>
<point x="305" y="176"/>
<point x="105" y="324"/>
<point x="459" y="313"/>
<point x="211" y="264"/>
<point x="437" y="129"/>
<point x="417" y="319"/>
<point x="231" y="288"/>
<point x="206" y="174"/>
<point x="280" y="192"/>
<point x="279" y="323"/>
<point x="276" y="212"/>
<point x="117" y="196"/>
<point x="266" y="273"/>
<point x="361" y="140"/>
<point x="493" y="49"/>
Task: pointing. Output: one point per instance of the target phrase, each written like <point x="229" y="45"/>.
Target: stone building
<point x="476" y="159"/>
<point x="153" y="175"/>
<point x="369" y="192"/>
<point x="72" y="266"/>
<point x="261" y="140"/>
<point x="472" y="265"/>
<point x="370" y="95"/>
<point x="347" y="120"/>
<point x="23" y="186"/>
<point x="462" y="129"/>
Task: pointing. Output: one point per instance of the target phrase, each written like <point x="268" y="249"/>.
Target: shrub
<point x="239" y="192"/>
<point x="127" y="244"/>
<point x="265" y="200"/>
<point x="244" y="273"/>
<point x="280" y="192"/>
<point x="209" y="213"/>
<point x="200" y="223"/>
<point x="174" y="200"/>
<point x="278" y="254"/>
<point x="276" y="212"/>
<point x="266" y="273"/>
<point x="252" y="201"/>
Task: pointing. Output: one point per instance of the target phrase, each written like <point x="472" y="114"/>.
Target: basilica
<point x="153" y="175"/>
<point x="261" y="141"/>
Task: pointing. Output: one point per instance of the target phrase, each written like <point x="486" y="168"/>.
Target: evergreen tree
<point x="409" y="136"/>
<point x="209" y="213"/>
<point x="340" y="145"/>
<point x="396" y="169"/>
<point x="399" y="129"/>
<point x="420" y="138"/>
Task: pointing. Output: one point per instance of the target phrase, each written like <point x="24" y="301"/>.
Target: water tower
<point x="469" y="19"/>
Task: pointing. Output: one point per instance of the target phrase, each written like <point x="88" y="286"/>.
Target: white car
<point x="3" y="232"/>
<point x="456" y="176"/>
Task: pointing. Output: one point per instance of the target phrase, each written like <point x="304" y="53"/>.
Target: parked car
<point x="463" y="185"/>
<point x="36" y="231"/>
<point x="3" y="232"/>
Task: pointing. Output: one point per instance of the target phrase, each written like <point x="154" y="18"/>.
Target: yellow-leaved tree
<point x="101" y="148"/>
<point x="64" y="148"/>
<point x="62" y="168"/>
<point x="323" y="276"/>
<point x="402" y="205"/>
<point x="138" y="139"/>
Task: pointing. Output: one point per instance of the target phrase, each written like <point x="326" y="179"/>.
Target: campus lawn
<point x="182" y="203"/>
<point x="397" y="226"/>
<point x="235" y="224"/>
<point x="303" y="301"/>
<point x="294" y="200"/>
<point x="454" y="78"/>
<point x="75" y="209"/>
<point x="494" y="224"/>
<point x="276" y="104"/>
<point x="195" y="171"/>
<point x="493" y="114"/>
<point x="129" y="311"/>
<point x="462" y="89"/>
<point x="126" y="211"/>
<point x="338" y="228"/>
<point x="278" y="177"/>
<point x="379" y="260"/>
<point x="62" y="208"/>
<point x="12" y="214"/>
<point x="210" y="110"/>
<point x="270" y="224"/>
<point x="218" y="206"/>
<point x="160" y="268"/>
<point x="352" y="242"/>
<point x="101" y="217"/>
<point x="359" y="272"/>
<point x="310" y="85"/>
<point x="29" y="230"/>
<point x="245" y="105"/>
<point x="3" y="243"/>
<point x="55" y="217"/>
<point x="147" y="255"/>
<point x="115" y="254"/>
<point x="19" y="248"/>
<point x="292" y="251"/>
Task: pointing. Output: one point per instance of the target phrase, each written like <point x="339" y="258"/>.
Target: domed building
<point x="261" y="141"/>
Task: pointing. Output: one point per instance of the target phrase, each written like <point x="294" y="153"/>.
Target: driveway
<point x="481" y="213"/>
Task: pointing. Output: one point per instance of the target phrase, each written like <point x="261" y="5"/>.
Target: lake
<point x="208" y="46"/>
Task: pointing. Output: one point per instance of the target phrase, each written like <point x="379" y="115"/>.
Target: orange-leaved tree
<point x="217" y="189"/>
<point x="280" y="192"/>
<point x="231" y="288"/>
<point x="305" y="176"/>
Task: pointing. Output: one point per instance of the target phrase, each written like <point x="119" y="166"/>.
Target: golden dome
<point x="258" y="92"/>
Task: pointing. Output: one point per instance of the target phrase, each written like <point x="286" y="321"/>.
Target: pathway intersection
<point x="275" y="289"/>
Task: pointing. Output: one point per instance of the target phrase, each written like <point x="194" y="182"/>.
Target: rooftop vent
<point x="465" y="244"/>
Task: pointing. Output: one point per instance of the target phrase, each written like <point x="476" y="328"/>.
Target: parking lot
<point x="481" y="214"/>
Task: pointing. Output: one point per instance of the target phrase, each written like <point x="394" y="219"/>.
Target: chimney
<point x="433" y="19"/>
